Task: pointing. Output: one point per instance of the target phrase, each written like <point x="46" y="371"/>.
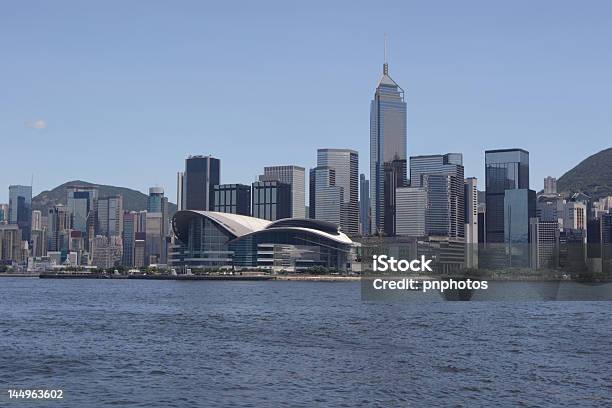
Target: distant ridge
<point x="133" y="200"/>
<point x="592" y="176"/>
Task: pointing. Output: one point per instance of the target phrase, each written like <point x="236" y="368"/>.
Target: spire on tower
<point x="386" y="63"/>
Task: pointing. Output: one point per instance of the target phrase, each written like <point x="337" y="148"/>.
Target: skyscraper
<point x="411" y="208"/>
<point x="519" y="209"/>
<point x="20" y="209"/>
<point x="364" y="205"/>
<point x="505" y="169"/>
<point x="110" y="216"/>
<point x="471" y="221"/>
<point x="156" y="202"/>
<point x="128" y="238"/>
<point x="345" y="163"/>
<point x="328" y="196"/>
<point x="81" y="202"/>
<point x="387" y="141"/>
<point x="443" y="176"/>
<point x="233" y="198"/>
<point x="550" y="185"/>
<point x="271" y="200"/>
<point x="59" y="222"/>
<point x="180" y="190"/>
<point x="201" y="175"/>
<point x="295" y="177"/>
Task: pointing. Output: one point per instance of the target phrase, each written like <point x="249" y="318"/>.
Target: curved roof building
<point x="208" y="239"/>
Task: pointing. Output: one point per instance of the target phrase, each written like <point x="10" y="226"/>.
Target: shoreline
<point x="284" y="278"/>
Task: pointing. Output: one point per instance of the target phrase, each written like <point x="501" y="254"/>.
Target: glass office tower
<point x="345" y="164"/>
<point x="201" y="175"/>
<point x="505" y="169"/>
<point x="387" y="142"/>
<point x="20" y="209"/>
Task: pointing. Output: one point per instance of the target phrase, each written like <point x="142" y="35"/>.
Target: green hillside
<point x="133" y="200"/>
<point x="593" y="176"/>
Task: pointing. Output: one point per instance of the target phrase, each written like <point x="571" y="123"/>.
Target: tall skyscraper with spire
<point x="387" y="145"/>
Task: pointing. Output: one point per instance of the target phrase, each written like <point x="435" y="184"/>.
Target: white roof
<point x="238" y="225"/>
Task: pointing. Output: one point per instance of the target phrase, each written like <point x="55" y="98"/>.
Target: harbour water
<point x="140" y="343"/>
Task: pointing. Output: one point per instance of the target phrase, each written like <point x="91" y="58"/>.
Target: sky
<point x="119" y="92"/>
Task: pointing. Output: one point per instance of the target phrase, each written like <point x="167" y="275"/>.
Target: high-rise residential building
<point x="140" y="249"/>
<point x="550" y="185"/>
<point x="39" y="243"/>
<point x="443" y="176"/>
<point x="519" y="209"/>
<point x="110" y="216"/>
<point x="271" y="200"/>
<point x="605" y="228"/>
<point x="82" y="202"/>
<point x="411" y="207"/>
<point x="387" y="143"/>
<point x="575" y="215"/>
<point x="60" y="221"/>
<point x="10" y="243"/>
<point x="471" y="221"/>
<point x="4" y="213"/>
<point x="295" y="177"/>
<point x="364" y="205"/>
<point x="345" y="163"/>
<point x="155" y="239"/>
<point x="201" y="175"/>
<point x="20" y="209"/>
<point x="101" y="252"/>
<point x="505" y="169"/>
<point x="328" y="197"/>
<point x="129" y="233"/>
<point x="180" y="190"/>
<point x="36" y="220"/>
<point x="233" y="198"/>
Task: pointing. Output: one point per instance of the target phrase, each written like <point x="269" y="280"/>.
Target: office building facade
<point x="364" y="206"/>
<point x="20" y="209"/>
<point x="387" y="143"/>
<point x="295" y="177"/>
<point x="271" y="200"/>
<point x="233" y="199"/>
<point x="201" y="174"/>
<point x="345" y="163"/>
<point x="505" y="169"/>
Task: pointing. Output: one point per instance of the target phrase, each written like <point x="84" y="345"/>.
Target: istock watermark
<point x="384" y="263"/>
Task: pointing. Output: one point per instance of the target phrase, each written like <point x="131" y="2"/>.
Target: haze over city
<point x="120" y="93"/>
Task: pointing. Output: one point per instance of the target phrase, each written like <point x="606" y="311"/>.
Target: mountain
<point x="133" y="200"/>
<point x="593" y="176"/>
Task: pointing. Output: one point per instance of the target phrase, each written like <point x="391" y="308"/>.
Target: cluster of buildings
<point x="407" y="207"/>
<point x="88" y="231"/>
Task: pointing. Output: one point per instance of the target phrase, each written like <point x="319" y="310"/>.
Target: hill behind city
<point x="133" y="200"/>
<point x="592" y="176"/>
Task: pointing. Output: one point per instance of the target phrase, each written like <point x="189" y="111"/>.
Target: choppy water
<point x="259" y="344"/>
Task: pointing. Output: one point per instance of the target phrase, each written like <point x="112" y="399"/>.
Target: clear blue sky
<point x="119" y="92"/>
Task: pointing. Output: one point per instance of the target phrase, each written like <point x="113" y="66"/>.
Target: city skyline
<point x="538" y="102"/>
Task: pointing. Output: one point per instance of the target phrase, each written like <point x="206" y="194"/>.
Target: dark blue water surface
<point x="270" y="344"/>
